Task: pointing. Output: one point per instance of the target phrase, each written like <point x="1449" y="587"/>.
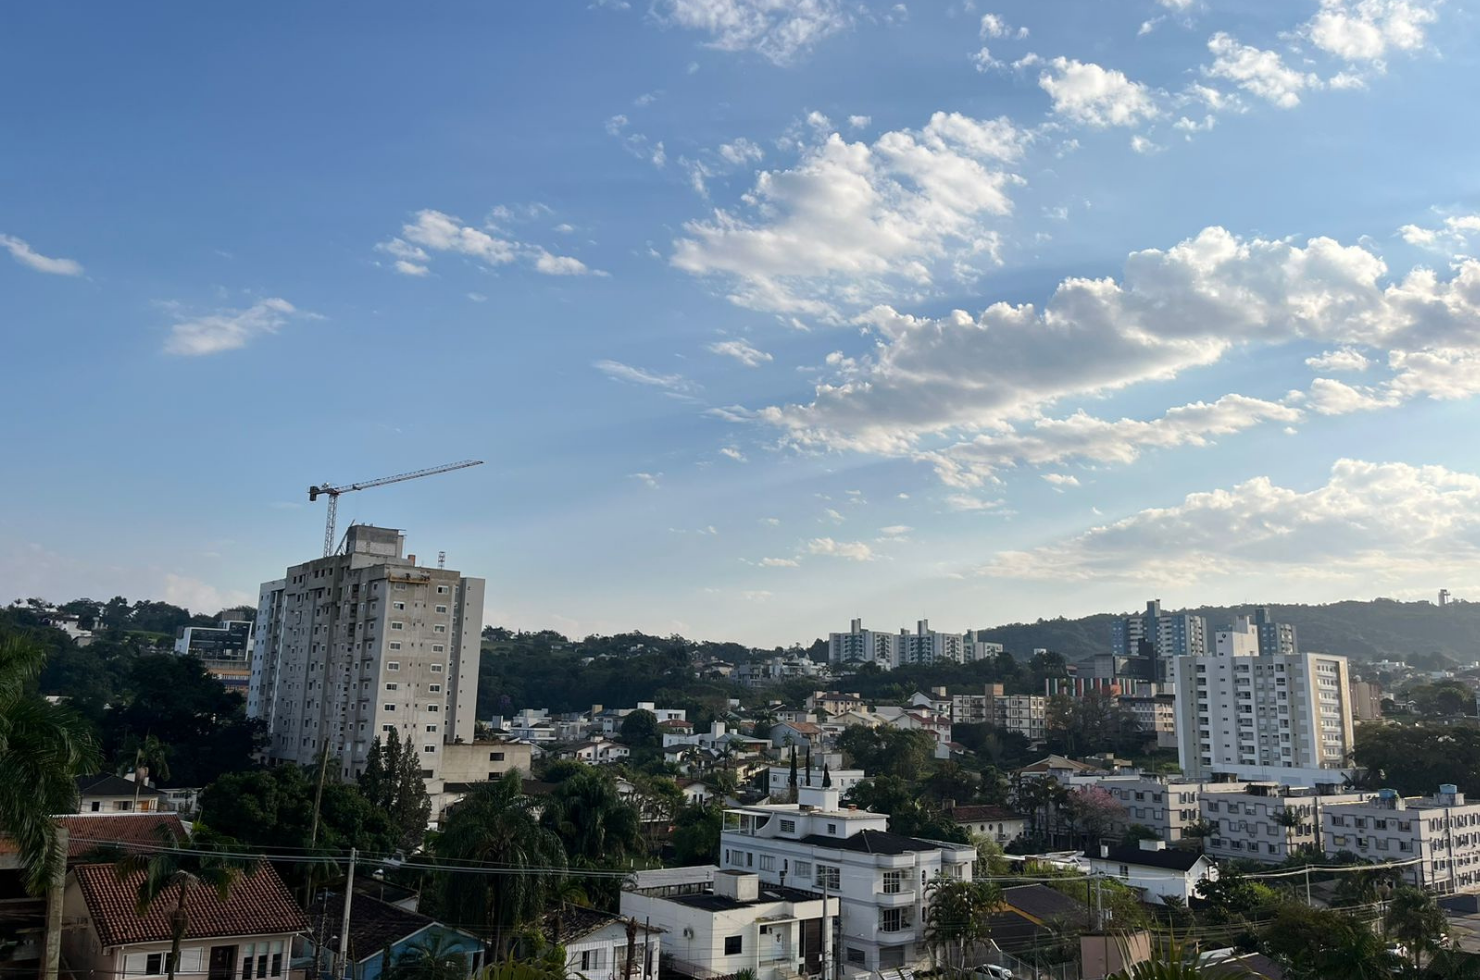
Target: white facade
<point x="350" y="647"/>
<point x="1157" y="872"/>
<point x="880" y="877"/>
<point x="1248" y="823"/>
<point x="738" y="923"/>
<point x="600" y="953"/>
<point x="1166" y="807"/>
<point x="778" y="779"/>
<point x="1242" y="712"/>
<point x="1440" y="832"/>
<point x="926" y="646"/>
<point x="975" y="648"/>
<point x="861" y="646"/>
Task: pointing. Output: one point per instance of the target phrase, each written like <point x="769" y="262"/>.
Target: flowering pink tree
<point x="1093" y="811"/>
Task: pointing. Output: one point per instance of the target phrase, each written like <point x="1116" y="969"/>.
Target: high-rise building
<point x="224" y="649"/>
<point x="1275" y="639"/>
<point x="1261" y="715"/>
<point x="926" y="646"/>
<point x="861" y="646"/>
<point x="1159" y="637"/>
<point x="977" y="647"/>
<point x="353" y="646"/>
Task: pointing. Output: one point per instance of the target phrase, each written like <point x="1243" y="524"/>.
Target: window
<point x="788" y="826"/>
<point x="399" y="586"/>
<point x="495" y="757"/>
<point x="768" y="862"/>
<point x="97" y="805"/>
<point x="441" y="609"/>
<point x="856" y="956"/>
<point x="392" y="687"/>
<point x="803" y="869"/>
<point x="832" y="828"/>
<point x="435" y="688"/>
<point x="155" y="964"/>
<point x="893" y="882"/>
<point x="440" y="628"/>
<point x="395" y="644"/>
<point x="827" y="876"/>
<point x="431" y="728"/>
<point x="436" y="668"/>
<point x="429" y="748"/>
<point x="441" y="590"/>
<point x="398" y="605"/>
<point x="397" y="625"/>
<point x="894" y="920"/>
<point x="388" y="707"/>
<point x="433" y="707"/>
<point x="438" y="648"/>
<point x="591" y="959"/>
<point x="393" y="665"/>
<point x="732" y="945"/>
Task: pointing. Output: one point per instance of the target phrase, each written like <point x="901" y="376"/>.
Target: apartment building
<point x="355" y="645"/>
<point x="1026" y="714"/>
<point x="1286" y="718"/>
<point x="1275" y="639"/>
<point x="1441" y="833"/>
<point x="1265" y="821"/>
<point x="225" y="649"/>
<point x="1159" y="636"/>
<point x="1155" y="715"/>
<point x="861" y="646"/>
<point x="1366" y="700"/>
<point x="980" y="708"/>
<point x="1166" y="806"/>
<point x="977" y="647"/>
<point x="927" y="646"/>
<point x="880" y="878"/>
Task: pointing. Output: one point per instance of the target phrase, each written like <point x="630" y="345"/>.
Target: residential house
<point x="1153" y="869"/>
<point x="107" y="793"/>
<point x="801" y="734"/>
<point x="1032" y="916"/>
<point x="248" y="935"/>
<point x="834" y="702"/>
<point x="778" y="778"/>
<point x="380" y="934"/>
<point x="818" y="845"/>
<point x="736" y="922"/>
<point x="1168" y="806"/>
<point x="87" y="832"/>
<point x="596" y="945"/>
<point x="597" y="751"/>
<point x="998" y="824"/>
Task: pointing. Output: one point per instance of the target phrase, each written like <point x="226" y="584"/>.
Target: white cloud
<point x="833" y="515"/>
<point x="895" y="530"/>
<point x="1369" y="525"/>
<point x="858" y="122"/>
<point x="994" y="377"/>
<point x="31" y="259"/>
<point x="199" y="597"/>
<point x="850" y="221"/>
<point x="779" y="30"/>
<point x="994" y="26"/>
<point x="212" y="333"/>
<point x="962" y="502"/>
<point x="779" y="563"/>
<point x="1368" y="30"/>
<point x="1061" y="479"/>
<point x="1181" y="6"/>
<point x="635" y="375"/>
<point x="1453" y="234"/>
<point x="1259" y="72"/>
<point x="649" y="480"/>
<point x="741" y="151"/>
<point x="741" y="351"/>
<point x="1095" y="96"/>
<point x="433" y="231"/>
<point x="733" y="453"/>
<point x="984" y="61"/>
<point x="771" y="521"/>
<point x="1331" y="397"/>
<point x="1344" y="359"/>
<point x="851" y="550"/>
<point x="1144" y="146"/>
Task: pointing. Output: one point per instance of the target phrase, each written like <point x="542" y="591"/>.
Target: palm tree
<point x="1415" y="918"/>
<point x="178" y="868"/>
<point x="497" y="825"/>
<point x="1290" y="819"/>
<point x="594" y="823"/>
<point x="43" y="749"/>
<point x="149" y="752"/>
<point x="434" y="958"/>
<point x="956" y="918"/>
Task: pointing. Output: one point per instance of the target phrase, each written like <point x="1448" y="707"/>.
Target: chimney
<point x="1104" y="849"/>
<point x="1153" y="845"/>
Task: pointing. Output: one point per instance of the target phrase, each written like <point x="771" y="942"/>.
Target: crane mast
<point x="332" y="492"/>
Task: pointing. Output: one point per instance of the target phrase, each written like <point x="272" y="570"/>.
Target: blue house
<point x="379" y="934"/>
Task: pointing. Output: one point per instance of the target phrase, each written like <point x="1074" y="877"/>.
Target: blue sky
<point x="764" y="314"/>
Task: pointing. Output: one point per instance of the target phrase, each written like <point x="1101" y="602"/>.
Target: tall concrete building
<point x="926" y="646"/>
<point x="1262" y="716"/>
<point x="1275" y="639"/>
<point x="861" y="646"/>
<point x="358" y="644"/>
<point x="1159" y="637"/>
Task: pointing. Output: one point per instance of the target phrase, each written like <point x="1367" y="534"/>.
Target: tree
<point x="176" y="871"/>
<point x="496" y="826"/>
<point x="595" y="825"/>
<point x="640" y="729"/>
<point x="1092" y="811"/>
<point x="1136" y="833"/>
<point x="888" y="751"/>
<point x="1415" y="918"/>
<point x="956" y="919"/>
<point x="1314" y="944"/>
<point x="272" y="809"/>
<point x="43" y="748"/>
<point x="147" y="752"/>
<point x="697" y="833"/>
<point x="909" y="814"/>
<point x="392" y="781"/>
<point x="433" y="958"/>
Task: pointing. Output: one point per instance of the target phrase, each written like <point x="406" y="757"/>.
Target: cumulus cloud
<point x="432" y="231"/>
<point x="779" y="30"/>
<point x="854" y="220"/>
<point x="1344" y="359"/>
<point x="1369" y="30"/>
<point x="32" y="259"/>
<point x="1369" y="524"/>
<point x="779" y="563"/>
<point x="1453" y="233"/>
<point x="1061" y="479"/>
<point x="733" y="453"/>
<point x="996" y="376"/>
<point x="895" y="530"/>
<point x="994" y="26"/>
<point x="1258" y="72"/>
<point x="741" y="351"/>
<point x="224" y="330"/>
<point x="1095" y="96"/>
<point x="851" y="550"/>
<point x="963" y="502"/>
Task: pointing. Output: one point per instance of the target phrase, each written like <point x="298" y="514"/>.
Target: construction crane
<point x="332" y="492"/>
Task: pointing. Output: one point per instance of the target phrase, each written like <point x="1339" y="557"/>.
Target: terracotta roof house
<point x="247" y="936"/>
<point x="87" y="832"/>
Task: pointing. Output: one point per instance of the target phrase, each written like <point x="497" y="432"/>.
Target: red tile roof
<point x="259" y="905"/>
<point x="976" y="814"/>
<point x="88" y="831"/>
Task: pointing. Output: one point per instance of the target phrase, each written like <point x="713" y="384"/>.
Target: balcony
<point x="896" y="899"/>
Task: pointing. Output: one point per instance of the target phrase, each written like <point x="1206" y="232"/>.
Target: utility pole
<point x="826" y="932"/>
<point x="349" y="894"/>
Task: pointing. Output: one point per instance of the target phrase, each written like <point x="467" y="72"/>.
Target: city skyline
<point x="764" y="315"/>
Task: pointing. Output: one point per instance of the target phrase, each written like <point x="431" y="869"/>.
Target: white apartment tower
<point x="352" y="646"/>
<point x="1261" y="716"/>
<point x="926" y="646"/>
<point x="861" y="646"/>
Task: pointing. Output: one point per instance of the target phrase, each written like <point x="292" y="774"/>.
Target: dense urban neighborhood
<point x="356" y="779"/>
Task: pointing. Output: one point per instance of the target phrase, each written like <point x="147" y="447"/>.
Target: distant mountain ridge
<point x="1378" y="629"/>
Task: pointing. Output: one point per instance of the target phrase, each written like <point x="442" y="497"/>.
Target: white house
<point x="596" y="946"/>
<point x="1157" y="871"/>
<point x="736" y="922"/>
<point x="881" y="878"/>
<point x="597" y="751"/>
<point x="778" y="778"/>
<point x="995" y="823"/>
<point x="249" y="934"/>
<point x="107" y="793"/>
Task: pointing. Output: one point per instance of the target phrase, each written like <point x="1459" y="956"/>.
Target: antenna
<point x="441" y="559"/>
